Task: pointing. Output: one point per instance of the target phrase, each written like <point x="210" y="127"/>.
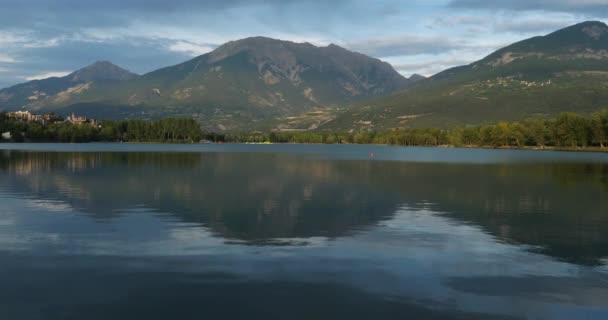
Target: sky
<point x="43" y="38"/>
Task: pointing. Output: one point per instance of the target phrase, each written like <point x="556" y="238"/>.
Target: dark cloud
<point x="65" y="14"/>
<point x="599" y="7"/>
<point x="118" y="6"/>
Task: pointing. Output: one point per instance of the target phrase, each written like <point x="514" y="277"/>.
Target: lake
<point x="126" y="231"/>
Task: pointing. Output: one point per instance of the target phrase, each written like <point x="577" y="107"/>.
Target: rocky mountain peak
<point x="586" y="40"/>
<point x="595" y="30"/>
<point x="416" y="77"/>
<point x="584" y="31"/>
<point x="261" y="48"/>
<point x="101" y="71"/>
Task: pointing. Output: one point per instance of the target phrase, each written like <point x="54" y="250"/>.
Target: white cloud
<point x="190" y="48"/>
<point x="8" y="38"/>
<point x="431" y="64"/>
<point x="429" y="67"/>
<point x="404" y="45"/>
<point x="535" y="24"/>
<point x="47" y="43"/>
<point x="6" y="58"/>
<point x="46" y="75"/>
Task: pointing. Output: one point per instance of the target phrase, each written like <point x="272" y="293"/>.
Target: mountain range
<point x="38" y="92"/>
<point x="263" y="83"/>
<point x="565" y="71"/>
<point x="240" y="82"/>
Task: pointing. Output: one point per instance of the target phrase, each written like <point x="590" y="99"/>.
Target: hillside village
<point x="49" y="118"/>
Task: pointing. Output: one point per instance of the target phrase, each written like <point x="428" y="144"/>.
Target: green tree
<point x="535" y="132"/>
<point x="571" y="130"/>
<point x="599" y="126"/>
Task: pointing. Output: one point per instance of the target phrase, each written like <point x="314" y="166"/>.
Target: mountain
<point x="416" y="77"/>
<point x="57" y="88"/>
<point x="101" y="71"/>
<point x="266" y="83"/>
<point x="241" y="82"/>
<point x="564" y="71"/>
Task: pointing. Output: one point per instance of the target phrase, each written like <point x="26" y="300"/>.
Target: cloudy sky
<point x="41" y="38"/>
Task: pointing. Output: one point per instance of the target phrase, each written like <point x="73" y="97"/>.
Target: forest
<point x="567" y="130"/>
<point x="170" y="130"/>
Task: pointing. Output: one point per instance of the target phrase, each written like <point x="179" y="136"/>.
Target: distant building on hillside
<point x="21" y="115"/>
<point x="48" y="118"/>
<point x="27" y="116"/>
<point x="73" y="119"/>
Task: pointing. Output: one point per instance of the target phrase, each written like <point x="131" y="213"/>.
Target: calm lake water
<point x="117" y="231"/>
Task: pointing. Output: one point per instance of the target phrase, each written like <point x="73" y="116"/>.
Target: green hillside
<point x="539" y="77"/>
<point x="40" y="92"/>
<point x="260" y="84"/>
<point x="238" y="85"/>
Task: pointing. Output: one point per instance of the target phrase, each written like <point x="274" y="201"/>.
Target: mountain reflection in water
<point x="373" y="238"/>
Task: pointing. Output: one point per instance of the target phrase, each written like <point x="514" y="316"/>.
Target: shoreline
<point x="524" y="148"/>
<point x="529" y="148"/>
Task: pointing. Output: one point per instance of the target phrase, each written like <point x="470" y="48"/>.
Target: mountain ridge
<point x="566" y="70"/>
<point x="260" y="82"/>
<point x="101" y="70"/>
<point x="240" y="82"/>
<point x="19" y="95"/>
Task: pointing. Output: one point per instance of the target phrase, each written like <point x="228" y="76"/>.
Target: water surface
<point x="117" y="231"/>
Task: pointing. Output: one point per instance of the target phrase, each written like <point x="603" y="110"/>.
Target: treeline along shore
<point x="566" y="131"/>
